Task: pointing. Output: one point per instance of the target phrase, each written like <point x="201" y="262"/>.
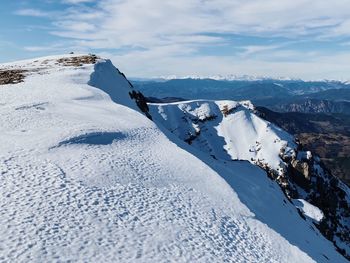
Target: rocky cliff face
<point x="140" y="102"/>
<point x="305" y="177"/>
<point x="326" y="135"/>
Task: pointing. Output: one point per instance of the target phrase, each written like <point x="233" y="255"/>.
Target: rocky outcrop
<point x="78" y="60"/>
<point x="11" y="76"/>
<point x="326" y="135"/>
<point x="305" y="177"/>
<point x="302" y="168"/>
<point x="141" y="102"/>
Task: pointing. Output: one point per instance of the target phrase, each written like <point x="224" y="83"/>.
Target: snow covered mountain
<point x="229" y="77"/>
<point x="86" y="175"/>
<point x="229" y="130"/>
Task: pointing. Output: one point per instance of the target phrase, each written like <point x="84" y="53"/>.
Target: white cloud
<point x="174" y="31"/>
<point x="249" y="50"/>
<point x="32" y="12"/>
<point x="151" y="65"/>
<point x="77" y="1"/>
<point x="146" y="23"/>
<point x="75" y="26"/>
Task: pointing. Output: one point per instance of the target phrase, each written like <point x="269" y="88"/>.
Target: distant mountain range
<point x="279" y="95"/>
<point x="232" y="77"/>
<point x="306" y="105"/>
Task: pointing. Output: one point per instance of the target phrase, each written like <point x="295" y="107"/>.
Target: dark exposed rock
<point x="322" y="189"/>
<point x="207" y="118"/>
<point x="78" y="61"/>
<point x="328" y="136"/>
<point x="226" y="110"/>
<point x="191" y="138"/>
<point x="302" y="167"/>
<point x="11" y="76"/>
<point x="141" y="102"/>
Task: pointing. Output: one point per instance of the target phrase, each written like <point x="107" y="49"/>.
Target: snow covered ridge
<point x="244" y="135"/>
<point x="229" y="130"/>
<point x="86" y="176"/>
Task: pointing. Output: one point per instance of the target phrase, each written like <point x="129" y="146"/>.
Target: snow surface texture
<point x="86" y="177"/>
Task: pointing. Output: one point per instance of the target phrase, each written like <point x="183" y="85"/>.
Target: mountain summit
<point x="90" y="172"/>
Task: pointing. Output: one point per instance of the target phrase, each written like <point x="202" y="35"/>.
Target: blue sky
<point x="307" y="39"/>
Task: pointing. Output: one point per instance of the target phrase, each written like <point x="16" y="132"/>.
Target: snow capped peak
<point x="104" y="75"/>
<point x="234" y="77"/>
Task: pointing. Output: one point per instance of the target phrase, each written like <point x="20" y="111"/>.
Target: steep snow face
<point x="86" y="177"/>
<point x="227" y="130"/>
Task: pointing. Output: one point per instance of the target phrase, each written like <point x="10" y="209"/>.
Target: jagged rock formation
<point x="328" y="136"/>
<point x="140" y="102"/>
<point x="306" y="178"/>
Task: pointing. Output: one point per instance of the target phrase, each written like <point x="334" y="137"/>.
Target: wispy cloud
<point x="32" y="12"/>
<point x="144" y="22"/>
<point x="77" y="1"/>
<point x="249" y="50"/>
<point x="174" y="31"/>
<point x="46" y="48"/>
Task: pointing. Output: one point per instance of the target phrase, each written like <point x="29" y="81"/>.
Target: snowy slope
<point x="229" y="130"/>
<point x="244" y="136"/>
<point x="86" y="177"/>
